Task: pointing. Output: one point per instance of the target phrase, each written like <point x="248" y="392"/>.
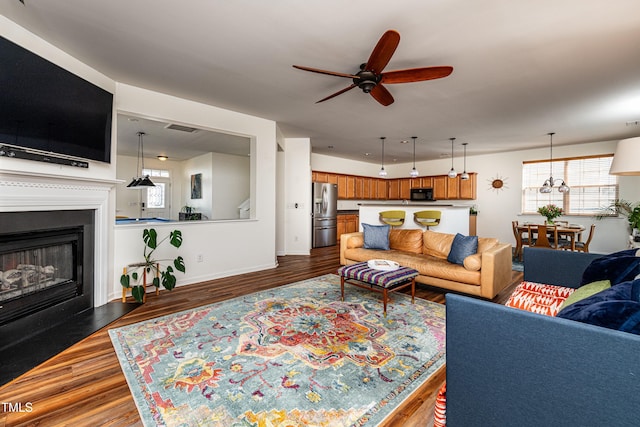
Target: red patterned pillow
<point x="539" y="298"/>
<point x="440" y="413"/>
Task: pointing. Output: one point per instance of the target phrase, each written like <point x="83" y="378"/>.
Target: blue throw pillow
<point x="617" y="307"/>
<point x="462" y="247"/>
<point x="376" y="236"/>
<point x="617" y="267"/>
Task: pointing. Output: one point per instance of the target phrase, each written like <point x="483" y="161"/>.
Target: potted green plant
<point x="625" y="208"/>
<point x="162" y="275"/>
<point x="550" y="212"/>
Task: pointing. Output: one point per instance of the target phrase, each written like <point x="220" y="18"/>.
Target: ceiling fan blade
<point x="383" y="51"/>
<point x="330" y="73"/>
<point x="382" y="95"/>
<point x="416" y="74"/>
<point x="340" y="92"/>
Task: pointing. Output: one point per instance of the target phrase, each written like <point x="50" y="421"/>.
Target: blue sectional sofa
<point x="509" y="367"/>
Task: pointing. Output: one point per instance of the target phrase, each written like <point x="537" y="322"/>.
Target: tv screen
<point x="47" y="108"/>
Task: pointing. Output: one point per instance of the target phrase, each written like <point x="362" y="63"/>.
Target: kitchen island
<point x="455" y="218"/>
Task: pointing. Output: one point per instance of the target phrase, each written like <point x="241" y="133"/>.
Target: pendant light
<point x="464" y="174"/>
<point x="414" y="172"/>
<point x="140" y="181"/>
<point x="452" y="172"/>
<point x="548" y="185"/>
<point x="382" y="172"/>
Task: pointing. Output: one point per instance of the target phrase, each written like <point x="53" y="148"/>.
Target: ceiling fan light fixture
<point x="452" y="173"/>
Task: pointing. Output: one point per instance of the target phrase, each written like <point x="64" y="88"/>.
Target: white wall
<point x="297" y="192"/>
<point x="231" y="180"/>
<point x="498" y="209"/>
<point x="202" y="165"/>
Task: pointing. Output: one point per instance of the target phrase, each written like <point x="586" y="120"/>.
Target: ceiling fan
<point x="370" y="77"/>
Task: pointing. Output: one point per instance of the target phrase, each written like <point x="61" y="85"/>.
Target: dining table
<point x="573" y="232"/>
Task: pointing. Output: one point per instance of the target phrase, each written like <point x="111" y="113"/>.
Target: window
<point x="592" y="187"/>
<point x="156" y="172"/>
<point x="155" y="196"/>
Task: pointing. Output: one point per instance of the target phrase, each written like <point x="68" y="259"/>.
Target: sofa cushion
<point x="406" y="240"/>
<point x="585" y="292"/>
<point x="617" y="307"/>
<point x="436" y="244"/>
<point x="538" y="298"/>
<point x="376" y="236"/>
<point x="462" y="247"/>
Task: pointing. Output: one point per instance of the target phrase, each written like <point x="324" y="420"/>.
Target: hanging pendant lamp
<point x="140" y="181"/>
<point x="452" y="172"/>
<point x="414" y="172"/>
<point x="548" y="185"/>
<point x="464" y="174"/>
<point x="382" y="172"/>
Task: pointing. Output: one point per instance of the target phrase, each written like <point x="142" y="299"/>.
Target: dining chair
<point x="547" y="236"/>
<point x="522" y="239"/>
<point x="392" y="218"/>
<point x="581" y="246"/>
<point x="427" y="218"/>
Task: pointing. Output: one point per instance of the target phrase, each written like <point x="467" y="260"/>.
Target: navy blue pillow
<point x="376" y="236"/>
<point x="617" y="267"/>
<point x="462" y="247"/>
<point x="617" y="307"/>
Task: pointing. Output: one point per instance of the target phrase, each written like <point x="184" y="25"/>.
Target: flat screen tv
<point x="47" y="108"/>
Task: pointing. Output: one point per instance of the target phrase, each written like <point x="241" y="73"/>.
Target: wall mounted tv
<point x="47" y="108"/>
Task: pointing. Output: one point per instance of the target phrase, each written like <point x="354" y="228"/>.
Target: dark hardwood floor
<point x="84" y="386"/>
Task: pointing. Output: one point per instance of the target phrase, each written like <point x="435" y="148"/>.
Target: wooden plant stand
<point x="144" y="281"/>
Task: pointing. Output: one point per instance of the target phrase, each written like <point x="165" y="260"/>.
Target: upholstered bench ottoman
<point x="363" y="276"/>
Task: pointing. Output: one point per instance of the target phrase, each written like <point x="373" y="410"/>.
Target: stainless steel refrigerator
<point x="324" y="216"/>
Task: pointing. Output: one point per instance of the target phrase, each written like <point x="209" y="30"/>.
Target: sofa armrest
<point x="344" y="241"/>
<point x="554" y="267"/>
<point x="495" y="273"/>
<point x="509" y="367"/>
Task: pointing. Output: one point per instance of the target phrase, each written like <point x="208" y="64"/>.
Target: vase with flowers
<point x="550" y="212"/>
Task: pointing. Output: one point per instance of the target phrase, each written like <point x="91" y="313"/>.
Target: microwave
<point x="422" y="195"/>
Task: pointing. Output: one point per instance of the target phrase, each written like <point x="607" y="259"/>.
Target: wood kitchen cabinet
<point x="393" y="189"/>
<point x="440" y="187"/>
<point x="370" y="188"/>
<point x="468" y="187"/>
<point x="346" y="223"/>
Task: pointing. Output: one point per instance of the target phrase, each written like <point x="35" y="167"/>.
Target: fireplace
<point x="46" y="260"/>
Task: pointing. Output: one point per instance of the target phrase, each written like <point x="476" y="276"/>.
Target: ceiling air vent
<point x="180" y="128"/>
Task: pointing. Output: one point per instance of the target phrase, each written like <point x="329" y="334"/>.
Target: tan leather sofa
<point x="484" y="274"/>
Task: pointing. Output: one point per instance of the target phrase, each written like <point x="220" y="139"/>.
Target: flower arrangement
<point x="550" y="211"/>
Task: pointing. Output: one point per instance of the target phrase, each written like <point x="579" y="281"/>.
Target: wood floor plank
<point x="84" y="385"/>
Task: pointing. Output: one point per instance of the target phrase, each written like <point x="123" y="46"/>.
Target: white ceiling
<point x="521" y="68"/>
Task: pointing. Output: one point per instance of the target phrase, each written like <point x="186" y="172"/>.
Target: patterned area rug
<point x="291" y="356"/>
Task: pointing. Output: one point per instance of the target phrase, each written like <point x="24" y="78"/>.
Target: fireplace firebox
<point x="46" y="268"/>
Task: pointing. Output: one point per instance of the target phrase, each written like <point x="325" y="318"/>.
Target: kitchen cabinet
<point x="393" y="189"/>
<point x="346" y="223"/>
<point x="440" y="187"/>
<point x="468" y="187"/>
<point x="370" y="188"/>
<point x="405" y="188"/>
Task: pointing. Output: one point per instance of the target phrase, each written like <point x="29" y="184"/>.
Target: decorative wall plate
<point x="498" y="183"/>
